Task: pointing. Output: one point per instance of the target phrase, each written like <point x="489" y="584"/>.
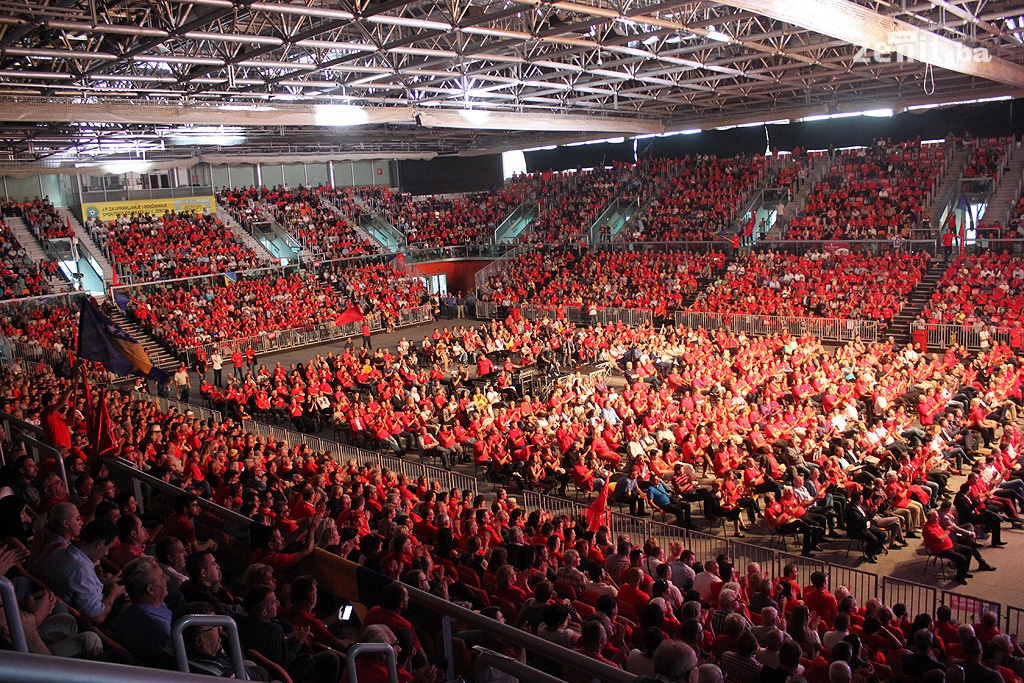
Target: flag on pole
<point x="99" y="428"/>
<point x="102" y="340"/>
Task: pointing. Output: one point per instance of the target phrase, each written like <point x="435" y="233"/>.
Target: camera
<point x="344" y="612"/>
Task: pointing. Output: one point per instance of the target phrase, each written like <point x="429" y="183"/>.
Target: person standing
<point x="217" y="363"/>
<point x="182" y="381"/>
<point x="367" y="335"/>
<point x="237" y="361"/>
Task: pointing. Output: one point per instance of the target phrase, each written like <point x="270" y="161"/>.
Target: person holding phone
<point x="301" y="613"/>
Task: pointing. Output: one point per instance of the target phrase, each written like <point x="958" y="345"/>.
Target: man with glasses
<point x="205" y="651"/>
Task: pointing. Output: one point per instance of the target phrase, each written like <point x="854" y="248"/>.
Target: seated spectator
<point x="281" y="643"/>
<point x="70" y="572"/>
<point x="143" y="627"/>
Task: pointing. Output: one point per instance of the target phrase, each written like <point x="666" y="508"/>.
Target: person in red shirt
<point x="180" y="526"/>
<point x="630" y="593"/>
<point x="394" y="599"/>
<point x="300" y="613"/>
<point x="938" y="542"/>
<point x="818" y="598"/>
<point x="54" y="423"/>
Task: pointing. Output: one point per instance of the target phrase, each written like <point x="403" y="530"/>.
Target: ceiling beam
<point x="877" y="33"/>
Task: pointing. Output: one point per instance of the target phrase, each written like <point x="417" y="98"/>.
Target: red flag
<point x="99" y="428"/>
<point x="597" y="511"/>
<point x="106" y="445"/>
<point x="352" y="315"/>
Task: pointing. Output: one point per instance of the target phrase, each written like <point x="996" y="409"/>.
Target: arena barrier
<point x="825" y="329"/>
<point x="167" y="404"/>
<point x="967" y="609"/>
<point x="942" y="336"/>
<point x="578" y="315"/>
<point x="341" y="453"/>
<point x="282" y="340"/>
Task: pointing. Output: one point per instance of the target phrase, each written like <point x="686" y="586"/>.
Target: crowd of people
<point x="984" y="288"/>
<point x="42" y="217"/>
<point x="19" y="275"/>
<point x="315" y="225"/>
<point x="876" y="192"/>
<point x="429" y="222"/>
<point x="700" y="197"/>
<point x="197" y="313"/>
<point x="571" y="201"/>
<point x="660" y="282"/>
<point x="820" y="284"/>
<point x="799" y="438"/>
<point x="144" y="248"/>
<point x="986" y="158"/>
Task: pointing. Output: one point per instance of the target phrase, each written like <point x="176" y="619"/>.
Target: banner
<point x="107" y="211"/>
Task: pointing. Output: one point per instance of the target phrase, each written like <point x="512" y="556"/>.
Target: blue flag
<point x="102" y="340"/>
<point x="121" y="300"/>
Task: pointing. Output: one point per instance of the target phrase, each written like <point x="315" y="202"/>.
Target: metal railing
<point x="942" y="336"/>
<point x="234" y="647"/>
<point x="580" y="315"/>
<point x="528" y="210"/>
<point x="165" y="404"/>
<point x="456" y="252"/>
<point x="867" y="247"/>
<point x="827" y="329"/>
<point x="12" y="613"/>
<point x="343" y="452"/>
<point x="360" y="649"/>
<point x="32" y="438"/>
<point x="17" y="667"/>
<point x="281" y="340"/>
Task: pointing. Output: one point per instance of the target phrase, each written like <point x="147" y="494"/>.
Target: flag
<point x="597" y="512"/>
<point x="100" y="339"/>
<point x="351" y="315"/>
<point x="230" y="277"/>
<point x="121" y="300"/>
<point x="99" y="428"/>
<point x="964" y="205"/>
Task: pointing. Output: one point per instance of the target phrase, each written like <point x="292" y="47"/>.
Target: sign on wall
<point x="106" y="211"/>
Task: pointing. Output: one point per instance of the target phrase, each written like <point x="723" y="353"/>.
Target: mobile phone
<point x="345" y="613"/>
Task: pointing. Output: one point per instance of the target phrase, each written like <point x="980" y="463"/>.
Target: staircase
<point x="34" y="250"/>
<point x="86" y="242"/>
<point x="28" y="240"/>
<point x="818" y="168"/>
<point x="356" y="227"/>
<point x="702" y="285"/>
<point x="242" y="234"/>
<point x="156" y="351"/>
<point x="1008" y="192"/>
<point x="918" y="298"/>
<point x="941" y="196"/>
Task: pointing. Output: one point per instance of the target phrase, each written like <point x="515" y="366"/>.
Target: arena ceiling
<point x="162" y="79"/>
